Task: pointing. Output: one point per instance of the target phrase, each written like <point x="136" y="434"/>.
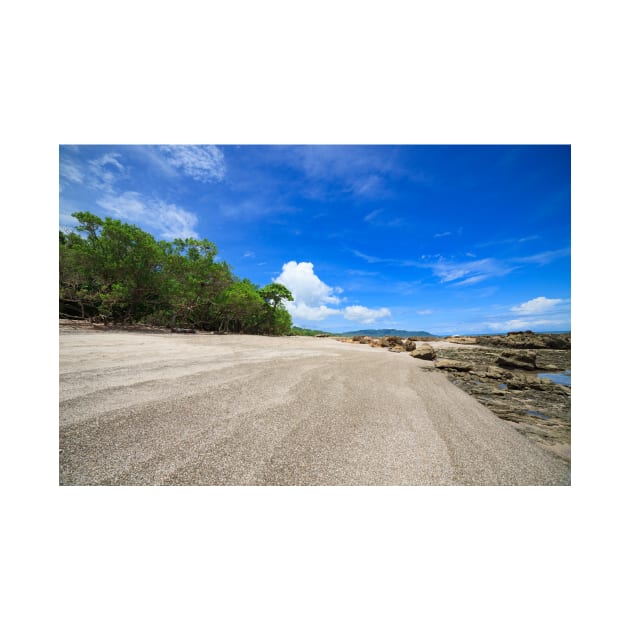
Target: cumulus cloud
<point x="201" y="162"/>
<point x="305" y="286"/>
<point x="168" y="220"/>
<point x="537" y="305"/>
<point x="312" y="296"/>
<point x="365" y="315"/>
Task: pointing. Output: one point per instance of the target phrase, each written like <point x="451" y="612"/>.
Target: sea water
<point x="563" y="378"/>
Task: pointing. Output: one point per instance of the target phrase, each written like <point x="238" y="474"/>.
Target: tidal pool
<point x="563" y="378"/>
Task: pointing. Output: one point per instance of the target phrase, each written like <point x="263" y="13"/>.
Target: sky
<point x="471" y="239"/>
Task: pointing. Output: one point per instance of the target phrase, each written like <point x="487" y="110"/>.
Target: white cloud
<point x="104" y="172"/>
<point x="365" y="315"/>
<point x="305" y="286"/>
<point x="537" y="305"/>
<point x="168" y="220"/>
<point x="100" y="173"/>
<point x="426" y="311"/>
<point x="312" y="297"/>
<point x="470" y="272"/>
<point x="204" y="163"/>
<point x="70" y="170"/>
<point x="312" y="313"/>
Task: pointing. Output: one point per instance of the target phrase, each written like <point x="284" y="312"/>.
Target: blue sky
<point x="447" y="239"/>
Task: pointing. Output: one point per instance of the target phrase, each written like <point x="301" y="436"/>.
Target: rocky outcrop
<point x="425" y="352"/>
<point x="462" y="340"/>
<point x="452" y="364"/>
<point x="527" y="340"/>
<point x="517" y="359"/>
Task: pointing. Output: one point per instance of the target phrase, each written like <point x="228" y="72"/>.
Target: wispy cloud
<point x="358" y="170"/>
<point x="204" y="163"/>
<point x="100" y="173"/>
<point x="378" y="218"/>
<point x="470" y="272"/>
<point x="544" y="258"/>
<point x="70" y="170"/>
<point x="508" y="241"/>
<point x="372" y="215"/>
<point x="168" y="220"/>
<point x="442" y="234"/>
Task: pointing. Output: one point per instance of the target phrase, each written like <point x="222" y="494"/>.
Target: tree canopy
<point x="119" y="273"/>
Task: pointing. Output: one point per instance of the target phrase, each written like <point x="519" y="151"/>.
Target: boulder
<point x="451" y="364"/>
<point x="517" y="359"/>
<point x="409" y="345"/>
<point x="390" y="342"/>
<point x="397" y="349"/>
<point x="424" y="351"/>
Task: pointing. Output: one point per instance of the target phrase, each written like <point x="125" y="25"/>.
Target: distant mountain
<point x="387" y="332"/>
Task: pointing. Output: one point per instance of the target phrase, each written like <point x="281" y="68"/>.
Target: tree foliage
<point x="119" y="273"/>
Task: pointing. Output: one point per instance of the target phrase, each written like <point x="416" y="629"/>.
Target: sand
<point x="169" y="409"/>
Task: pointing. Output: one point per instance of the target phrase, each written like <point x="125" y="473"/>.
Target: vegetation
<point x="307" y="332"/>
<point x="384" y="332"/>
<point x="116" y="272"/>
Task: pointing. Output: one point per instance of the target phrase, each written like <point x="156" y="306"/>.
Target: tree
<point x="241" y="308"/>
<point x="274" y="294"/>
<point x="120" y="272"/>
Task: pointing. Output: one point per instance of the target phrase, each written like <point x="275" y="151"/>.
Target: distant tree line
<point x="117" y="272"/>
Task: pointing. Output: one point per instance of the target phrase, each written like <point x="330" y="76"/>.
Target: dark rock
<point x="409" y="345"/>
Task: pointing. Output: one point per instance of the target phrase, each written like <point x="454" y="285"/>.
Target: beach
<point x="141" y="408"/>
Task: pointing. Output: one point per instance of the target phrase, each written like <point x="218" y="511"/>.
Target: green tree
<point x="241" y="308"/>
<point x="274" y="294"/>
<point x="192" y="281"/>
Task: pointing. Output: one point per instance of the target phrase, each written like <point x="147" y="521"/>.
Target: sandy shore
<point x="154" y="409"/>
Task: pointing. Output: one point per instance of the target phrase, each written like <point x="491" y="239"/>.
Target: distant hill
<point x="386" y="332"/>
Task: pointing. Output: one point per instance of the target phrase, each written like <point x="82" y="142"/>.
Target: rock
<point x="527" y="339"/>
<point x="397" y="349"/>
<point x="452" y="364"/>
<point x="390" y="342"/>
<point x="409" y="345"/>
<point x="517" y="359"/>
<point x="498" y="373"/>
<point x="462" y="340"/>
<point x="424" y="351"/>
<point x="364" y="340"/>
